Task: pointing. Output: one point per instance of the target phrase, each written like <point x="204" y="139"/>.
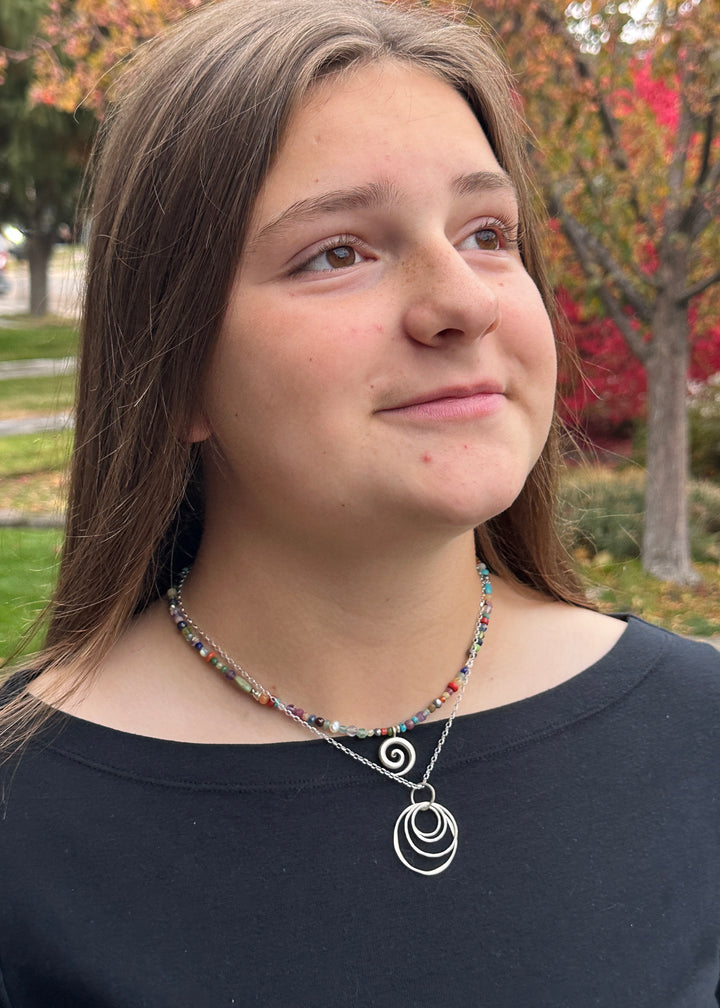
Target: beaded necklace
<point x="396" y="754"/>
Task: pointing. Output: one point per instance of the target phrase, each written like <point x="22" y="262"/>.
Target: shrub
<point x="703" y="430"/>
<point x="704" y="422"/>
<point x="602" y="512"/>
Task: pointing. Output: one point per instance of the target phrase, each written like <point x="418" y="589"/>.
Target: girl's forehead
<point x="379" y="120"/>
<point x="370" y="87"/>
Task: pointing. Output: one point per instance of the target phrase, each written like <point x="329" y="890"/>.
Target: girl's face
<point x="385" y="361"/>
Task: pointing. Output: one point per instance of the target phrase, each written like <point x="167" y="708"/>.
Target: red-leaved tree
<point x="625" y="110"/>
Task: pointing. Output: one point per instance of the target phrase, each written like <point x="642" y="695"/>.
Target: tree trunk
<point x="39" y="250"/>
<point x="666" y="539"/>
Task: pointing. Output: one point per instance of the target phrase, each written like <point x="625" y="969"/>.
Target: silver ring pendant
<point x="412" y="841"/>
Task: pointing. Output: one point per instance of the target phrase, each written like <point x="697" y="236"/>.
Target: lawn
<point x="39" y="495"/>
<point x="32" y="465"/>
<point x="21" y="454"/>
<point x="623" y="586"/>
<point x="27" y="574"/>
<point x="30" y="555"/>
<point x="32" y="473"/>
<point x="44" y="394"/>
<point x="25" y="338"/>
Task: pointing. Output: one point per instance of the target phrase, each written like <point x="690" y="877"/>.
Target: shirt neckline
<point x="480" y="735"/>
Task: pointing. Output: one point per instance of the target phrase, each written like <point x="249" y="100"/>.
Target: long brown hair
<point x="178" y="167"/>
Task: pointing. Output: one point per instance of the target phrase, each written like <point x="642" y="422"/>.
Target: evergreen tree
<point x="42" y="150"/>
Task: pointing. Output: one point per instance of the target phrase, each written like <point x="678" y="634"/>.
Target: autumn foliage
<point x="84" y="43"/>
<point x="614" y="391"/>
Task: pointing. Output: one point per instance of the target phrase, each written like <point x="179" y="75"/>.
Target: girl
<point x="324" y="716"/>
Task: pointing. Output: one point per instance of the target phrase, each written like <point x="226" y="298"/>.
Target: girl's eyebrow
<point x="484" y="181"/>
<point x="372" y="196"/>
<point x="364" y="197"/>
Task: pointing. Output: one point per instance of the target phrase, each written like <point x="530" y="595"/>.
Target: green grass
<point x="30" y="466"/>
<point x="623" y="586"/>
<point x="43" y="394"/>
<point x="32" y="473"/>
<point x="24" y="338"/>
<point x="27" y="576"/>
<point x="23" y="454"/>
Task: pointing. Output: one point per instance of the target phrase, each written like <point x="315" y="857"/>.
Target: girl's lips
<point x="451" y="405"/>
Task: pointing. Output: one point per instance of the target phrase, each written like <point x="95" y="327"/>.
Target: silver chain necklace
<point x="417" y="845"/>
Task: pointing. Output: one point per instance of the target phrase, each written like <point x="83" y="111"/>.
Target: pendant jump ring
<point x="426" y="802"/>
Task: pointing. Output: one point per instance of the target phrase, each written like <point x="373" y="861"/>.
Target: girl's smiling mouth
<point x="456" y="403"/>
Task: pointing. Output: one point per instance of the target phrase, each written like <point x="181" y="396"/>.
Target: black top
<point x="141" y="873"/>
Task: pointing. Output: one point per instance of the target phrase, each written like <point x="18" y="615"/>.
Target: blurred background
<point x="623" y="101"/>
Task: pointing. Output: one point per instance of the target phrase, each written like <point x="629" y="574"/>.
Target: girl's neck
<point x="353" y="637"/>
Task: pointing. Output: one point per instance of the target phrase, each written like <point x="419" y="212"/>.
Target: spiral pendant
<point x="398" y="755"/>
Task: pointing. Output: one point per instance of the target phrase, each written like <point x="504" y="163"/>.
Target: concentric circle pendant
<point x="421" y="844"/>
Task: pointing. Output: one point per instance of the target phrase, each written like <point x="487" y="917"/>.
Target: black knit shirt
<point x="141" y="873"/>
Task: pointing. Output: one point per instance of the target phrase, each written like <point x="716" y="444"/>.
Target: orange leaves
<point x="82" y="46"/>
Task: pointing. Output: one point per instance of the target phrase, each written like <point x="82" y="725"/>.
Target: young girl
<point x="324" y="717"/>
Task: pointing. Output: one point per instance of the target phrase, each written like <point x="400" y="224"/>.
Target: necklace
<point x="396" y="755"/>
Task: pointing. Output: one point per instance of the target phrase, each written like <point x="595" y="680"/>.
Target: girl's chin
<point x="457" y="516"/>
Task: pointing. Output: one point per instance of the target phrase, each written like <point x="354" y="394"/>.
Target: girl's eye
<point x="487" y="238"/>
<point x="337" y="254"/>
<point x="493" y="237"/>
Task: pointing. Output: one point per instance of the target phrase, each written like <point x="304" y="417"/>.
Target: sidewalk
<point x="33" y="368"/>
<point x="36" y="424"/>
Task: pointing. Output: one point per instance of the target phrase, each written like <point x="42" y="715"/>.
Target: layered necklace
<point x="425" y="836"/>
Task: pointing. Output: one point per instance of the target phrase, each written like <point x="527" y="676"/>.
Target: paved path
<point x="34" y="368"/>
<point x="19" y="519"/>
<point x="36" y="424"/>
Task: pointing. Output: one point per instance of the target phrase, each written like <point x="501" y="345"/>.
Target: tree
<point x="84" y="44"/>
<point x="42" y="150"/>
<point x="626" y="115"/>
<point x="60" y="57"/>
<point x="605" y="406"/>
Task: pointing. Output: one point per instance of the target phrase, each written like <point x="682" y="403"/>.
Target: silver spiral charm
<point x="412" y="841"/>
<point x="397" y="754"/>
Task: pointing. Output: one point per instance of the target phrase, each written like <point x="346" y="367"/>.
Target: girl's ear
<point x="199" y="430"/>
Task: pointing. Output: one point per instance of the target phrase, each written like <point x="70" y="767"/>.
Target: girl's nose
<point x="448" y="299"/>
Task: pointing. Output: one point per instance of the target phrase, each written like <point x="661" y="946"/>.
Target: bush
<point x="704" y="422"/>
<point x="602" y="512"/>
<point x="703" y="431"/>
